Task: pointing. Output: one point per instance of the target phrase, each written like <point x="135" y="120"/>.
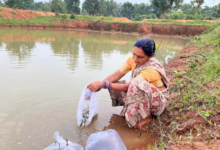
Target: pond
<point x="43" y="73"/>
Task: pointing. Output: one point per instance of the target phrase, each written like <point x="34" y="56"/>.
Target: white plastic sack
<point x="105" y="140"/>
<point x="88" y="107"/>
<point x="62" y="144"/>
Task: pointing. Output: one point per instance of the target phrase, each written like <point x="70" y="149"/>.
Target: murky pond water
<point x="42" y="77"/>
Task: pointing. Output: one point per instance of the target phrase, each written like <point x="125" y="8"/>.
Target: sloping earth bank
<point x="126" y="26"/>
<point x="141" y="28"/>
<point x="22" y="14"/>
<point x="206" y="134"/>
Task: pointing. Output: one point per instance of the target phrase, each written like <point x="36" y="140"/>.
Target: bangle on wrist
<point x="109" y="87"/>
<point x="104" y="84"/>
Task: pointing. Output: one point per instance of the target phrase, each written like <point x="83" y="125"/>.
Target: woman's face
<point x="139" y="56"/>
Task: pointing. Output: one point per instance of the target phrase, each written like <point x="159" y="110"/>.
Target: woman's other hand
<point x="94" y="86"/>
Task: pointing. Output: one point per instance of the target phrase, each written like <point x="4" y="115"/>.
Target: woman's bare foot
<point x="141" y="123"/>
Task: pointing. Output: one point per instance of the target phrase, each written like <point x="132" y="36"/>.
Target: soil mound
<point x="121" y="19"/>
<point x="22" y="14"/>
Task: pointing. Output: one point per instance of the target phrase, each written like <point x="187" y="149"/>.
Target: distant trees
<point x="128" y="10"/>
<point x="165" y="5"/>
<point x="217" y="11"/>
<point x="111" y="8"/>
<point x="141" y="9"/>
<point x="58" y="6"/>
<point x="94" y="7"/>
<point x="42" y="6"/>
<point x="20" y="4"/>
<point x="72" y="6"/>
<point x="197" y="3"/>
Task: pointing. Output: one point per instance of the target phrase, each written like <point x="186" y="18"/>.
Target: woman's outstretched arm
<point x="94" y="86"/>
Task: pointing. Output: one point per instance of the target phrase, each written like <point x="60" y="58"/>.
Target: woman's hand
<point x="94" y="86"/>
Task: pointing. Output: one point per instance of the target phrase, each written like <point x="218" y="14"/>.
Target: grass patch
<point x="42" y="20"/>
<point x="1" y="9"/>
<point x="200" y="22"/>
<point x="196" y="22"/>
<point x="93" y="18"/>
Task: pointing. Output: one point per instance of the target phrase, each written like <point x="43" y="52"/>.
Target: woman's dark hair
<point x="147" y="45"/>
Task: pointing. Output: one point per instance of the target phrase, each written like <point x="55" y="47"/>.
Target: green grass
<point x="42" y="20"/>
<point x="196" y="22"/>
<point x="200" y="22"/>
<point x="93" y="18"/>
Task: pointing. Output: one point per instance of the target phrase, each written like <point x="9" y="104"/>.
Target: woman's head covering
<point x="147" y="45"/>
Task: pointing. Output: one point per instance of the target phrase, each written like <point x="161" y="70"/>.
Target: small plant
<point x="13" y="12"/>
<point x="64" y="16"/>
<point x="1" y="9"/>
<point x="205" y="114"/>
<point x="72" y="16"/>
<point x="179" y="85"/>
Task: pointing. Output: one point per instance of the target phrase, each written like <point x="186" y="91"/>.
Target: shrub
<point x="190" y="17"/>
<point x="177" y="15"/>
<point x="64" y="16"/>
<point x="144" y="17"/>
<point x="13" y="12"/>
<point x="197" y="16"/>
<point x="152" y="16"/>
<point x="138" y="17"/>
<point x="72" y="16"/>
<point x="57" y="14"/>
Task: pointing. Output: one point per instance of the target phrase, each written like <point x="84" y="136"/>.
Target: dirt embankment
<point x="22" y="14"/>
<point x="141" y="28"/>
<point x="126" y="26"/>
<point x="144" y="28"/>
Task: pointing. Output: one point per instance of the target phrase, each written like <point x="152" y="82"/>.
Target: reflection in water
<point x="19" y="51"/>
<point x="66" y="44"/>
<point x="43" y="98"/>
<point x="67" y="47"/>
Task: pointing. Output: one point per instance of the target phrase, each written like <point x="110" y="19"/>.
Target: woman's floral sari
<point x="142" y="98"/>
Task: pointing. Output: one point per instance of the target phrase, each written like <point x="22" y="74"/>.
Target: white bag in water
<point x="87" y="108"/>
<point x="62" y="144"/>
<point x="105" y="140"/>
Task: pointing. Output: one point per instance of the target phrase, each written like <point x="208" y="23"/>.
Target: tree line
<point x="163" y="9"/>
